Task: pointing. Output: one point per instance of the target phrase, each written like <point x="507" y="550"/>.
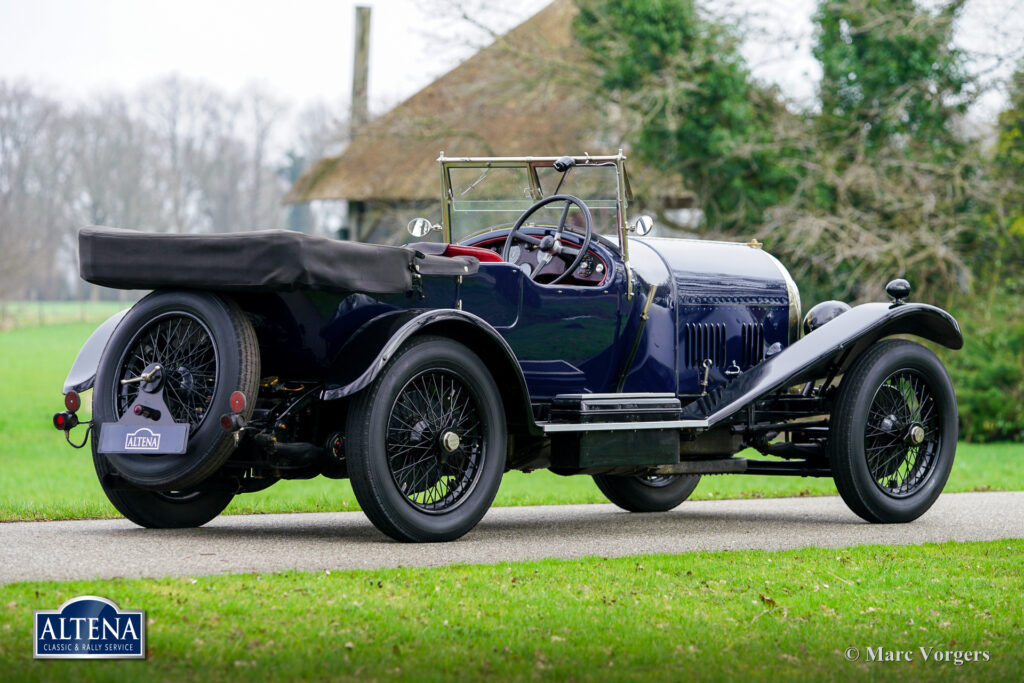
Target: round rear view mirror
<point x="420" y="227"/>
<point x="643" y="225"/>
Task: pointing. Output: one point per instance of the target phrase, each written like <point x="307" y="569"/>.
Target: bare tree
<point x="188" y="120"/>
<point x="261" y="114"/>
<point x="112" y="181"/>
<point x="33" y="164"/>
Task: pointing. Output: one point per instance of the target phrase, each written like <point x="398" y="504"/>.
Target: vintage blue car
<point x="545" y="329"/>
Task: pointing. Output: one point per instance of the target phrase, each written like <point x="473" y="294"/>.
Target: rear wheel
<point x="426" y="442"/>
<point x="656" y="493"/>
<point x="893" y="432"/>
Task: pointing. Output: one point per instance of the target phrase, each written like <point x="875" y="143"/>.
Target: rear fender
<point x="363" y="356"/>
<point x="833" y="347"/>
<point x="83" y="371"/>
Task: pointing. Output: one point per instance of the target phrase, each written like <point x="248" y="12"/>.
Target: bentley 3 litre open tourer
<point x="545" y="329"/>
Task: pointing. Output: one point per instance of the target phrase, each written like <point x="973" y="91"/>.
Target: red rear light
<point x="65" y="421"/>
<point x="232" y="422"/>
<point x="237" y="401"/>
<point x="72" y="401"/>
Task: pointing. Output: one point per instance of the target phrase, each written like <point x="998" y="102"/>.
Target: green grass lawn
<point x="14" y="314"/>
<point x="707" y="616"/>
<point x="42" y="478"/>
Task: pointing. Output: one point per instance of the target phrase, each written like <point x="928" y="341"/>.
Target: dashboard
<point x="592" y="271"/>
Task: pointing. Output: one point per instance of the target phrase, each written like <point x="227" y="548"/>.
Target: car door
<point x="566" y="338"/>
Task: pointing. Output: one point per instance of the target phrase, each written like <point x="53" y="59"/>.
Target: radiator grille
<point x="752" y="340"/>
<point x="705" y="340"/>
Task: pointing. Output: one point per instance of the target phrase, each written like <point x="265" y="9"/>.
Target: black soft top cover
<point x="268" y="260"/>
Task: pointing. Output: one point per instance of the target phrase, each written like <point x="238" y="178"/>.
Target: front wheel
<point x="425" y="442"/>
<point x="658" y="493"/>
<point x="893" y="432"/>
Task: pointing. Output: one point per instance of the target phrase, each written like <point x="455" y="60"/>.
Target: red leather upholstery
<point x="481" y="254"/>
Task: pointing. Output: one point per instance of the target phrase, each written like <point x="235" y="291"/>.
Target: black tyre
<point x="893" y="432"/>
<point x="425" y="442"/>
<point x="163" y="510"/>
<point x="208" y="349"/>
<point x="658" y="493"/>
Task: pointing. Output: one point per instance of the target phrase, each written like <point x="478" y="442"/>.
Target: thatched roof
<point x="526" y="94"/>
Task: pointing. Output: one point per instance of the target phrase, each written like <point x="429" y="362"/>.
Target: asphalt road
<point x="88" y="549"/>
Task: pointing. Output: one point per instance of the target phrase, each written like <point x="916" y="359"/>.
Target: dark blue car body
<point x="574" y="339"/>
<point x="634" y="358"/>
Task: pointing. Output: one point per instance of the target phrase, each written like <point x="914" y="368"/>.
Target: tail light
<point x="65" y="421"/>
<point x="232" y="422"/>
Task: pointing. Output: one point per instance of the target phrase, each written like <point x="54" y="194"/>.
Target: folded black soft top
<point x="268" y="260"/>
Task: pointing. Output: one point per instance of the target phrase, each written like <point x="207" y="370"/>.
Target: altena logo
<point x="142" y="439"/>
<point x="89" y="627"/>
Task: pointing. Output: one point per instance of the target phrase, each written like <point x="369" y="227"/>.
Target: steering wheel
<point x="552" y="244"/>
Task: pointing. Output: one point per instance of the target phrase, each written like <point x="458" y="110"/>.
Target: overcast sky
<point x="302" y="49"/>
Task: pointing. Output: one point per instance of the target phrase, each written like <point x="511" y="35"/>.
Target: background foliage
<point x="689" y="104"/>
<point x="874" y="180"/>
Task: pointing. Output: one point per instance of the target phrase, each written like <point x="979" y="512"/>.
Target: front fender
<point x="832" y="347"/>
<point x="363" y="356"/>
<point x="83" y="370"/>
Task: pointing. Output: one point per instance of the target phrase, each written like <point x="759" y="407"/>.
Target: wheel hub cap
<point x="916" y="435"/>
<point x="450" y="442"/>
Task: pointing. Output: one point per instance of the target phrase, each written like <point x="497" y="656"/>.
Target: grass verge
<point x="45" y="479"/>
<point x="35" y="313"/>
<point x="705" y="616"/>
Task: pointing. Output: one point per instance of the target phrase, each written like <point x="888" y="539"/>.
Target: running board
<point x="616" y="412"/>
<point x="555" y="427"/>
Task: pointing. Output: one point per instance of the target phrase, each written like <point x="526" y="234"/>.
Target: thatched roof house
<point x="529" y="93"/>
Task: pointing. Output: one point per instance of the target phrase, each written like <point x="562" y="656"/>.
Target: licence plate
<point x="155" y="439"/>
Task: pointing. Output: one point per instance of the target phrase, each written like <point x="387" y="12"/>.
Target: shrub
<point x="988" y="373"/>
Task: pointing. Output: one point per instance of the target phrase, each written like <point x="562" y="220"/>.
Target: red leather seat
<point x="481" y="254"/>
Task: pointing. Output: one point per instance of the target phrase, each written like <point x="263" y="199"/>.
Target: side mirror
<point x="642" y="225"/>
<point x="421" y="227"/>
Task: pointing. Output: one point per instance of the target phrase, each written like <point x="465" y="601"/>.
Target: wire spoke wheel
<point x="892" y="432"/>
<point x="182" y="346"/>
<point x="901" y="436"/>
<point x="435" y="441"/>
<point x="426" y="442"/>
